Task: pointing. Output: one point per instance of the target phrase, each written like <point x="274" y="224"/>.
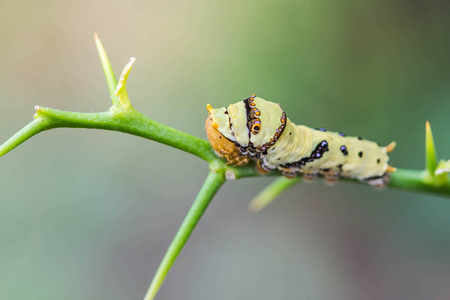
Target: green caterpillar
<point x="258" y="129"/>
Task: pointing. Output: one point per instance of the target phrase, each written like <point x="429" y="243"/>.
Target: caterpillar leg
<point x="262" y="169"/>
<point x="288" y="172"/>
<point x="379" y="182"/>
<point x="309" y="175"/>
<point x="331" y="177"/>
<point x="235" y="159"/>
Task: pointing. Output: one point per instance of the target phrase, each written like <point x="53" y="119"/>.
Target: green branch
<point x="24" y="134"/>
<point x="212" y="184"/>
<point x="419" y="180"/>
<point x="123" y="117"/>
<point x="116" y="119"/>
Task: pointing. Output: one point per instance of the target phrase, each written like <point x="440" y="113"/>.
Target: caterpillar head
<point x="221" y="145"/>
<point x="252" y="122"/>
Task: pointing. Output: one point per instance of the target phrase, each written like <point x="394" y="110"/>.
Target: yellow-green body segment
<point x="260" y="130"/>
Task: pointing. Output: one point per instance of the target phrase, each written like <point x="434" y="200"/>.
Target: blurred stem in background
<point x="124" y="118"/>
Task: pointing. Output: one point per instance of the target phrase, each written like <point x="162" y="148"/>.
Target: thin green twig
<point x="212" y="184"/>
<point x="271" y="192"/>
<point x="24" y="134"/>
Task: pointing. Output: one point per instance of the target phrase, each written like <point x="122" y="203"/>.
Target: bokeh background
<point x="88" y="214"/>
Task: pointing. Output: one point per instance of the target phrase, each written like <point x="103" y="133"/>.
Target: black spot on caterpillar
<point x="258" y="129"/>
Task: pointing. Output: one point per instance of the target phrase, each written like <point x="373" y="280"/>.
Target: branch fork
<point x="123" y="117"/>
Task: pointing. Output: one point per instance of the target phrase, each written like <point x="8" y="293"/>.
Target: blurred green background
<point x="88" y="214"/>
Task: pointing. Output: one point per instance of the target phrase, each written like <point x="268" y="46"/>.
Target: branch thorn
<point x="121" y="90"/>
<point x="430" y="150"/>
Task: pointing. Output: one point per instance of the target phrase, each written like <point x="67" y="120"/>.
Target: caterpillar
<point x="256" y="129"/>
